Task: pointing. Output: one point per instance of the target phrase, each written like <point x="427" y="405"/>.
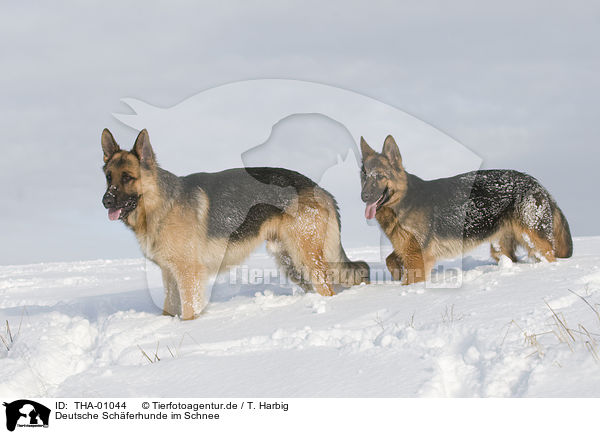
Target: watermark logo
<point x="25" y="413"/>
<point x="311" y="128"/>
<point x="442" y="276"/>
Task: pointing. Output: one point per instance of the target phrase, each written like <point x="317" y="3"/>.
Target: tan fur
<point x="504" y="245"/>
<point x="511" y="236"/>
<point x="412" y="262"/>
<point x="563" y="243"/>
<point x="417" y="247"/>
<point x="409" y="262"/>
<point x="305" y="238"/>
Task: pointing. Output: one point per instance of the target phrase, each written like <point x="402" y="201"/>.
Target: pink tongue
<point x="370" y="210"/>
<point x="114" y="213"/>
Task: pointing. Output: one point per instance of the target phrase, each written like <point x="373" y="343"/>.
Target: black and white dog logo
<point x="26" y="413"/>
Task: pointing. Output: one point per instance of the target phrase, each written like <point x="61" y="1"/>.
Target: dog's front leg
<point x="408" y="258"/>
<point x="395" y="265"/>
<point x="191" y="282"/>
<point x="172" y="304"/>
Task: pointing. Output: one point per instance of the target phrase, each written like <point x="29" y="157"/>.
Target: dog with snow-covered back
<point x="442" y="218"/>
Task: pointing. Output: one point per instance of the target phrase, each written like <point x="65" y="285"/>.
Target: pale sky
<point x="516" y="82"/>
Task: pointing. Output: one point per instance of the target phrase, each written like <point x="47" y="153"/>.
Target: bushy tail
<point x="563" y="243"/>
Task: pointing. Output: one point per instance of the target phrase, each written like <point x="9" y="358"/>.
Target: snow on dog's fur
<point x="442" y="218"/>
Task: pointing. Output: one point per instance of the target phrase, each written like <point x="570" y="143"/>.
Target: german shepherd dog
<point x="195" y="226"/>
<point x="443" y="218"/>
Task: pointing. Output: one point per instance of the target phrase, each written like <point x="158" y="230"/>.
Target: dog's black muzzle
<point x="380" y="197"/>
<point x="109" y="200"/>
<point x="119" y="206"/>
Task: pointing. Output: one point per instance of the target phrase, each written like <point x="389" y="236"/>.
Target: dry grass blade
<point x="170" y="352"/>
<point x="145" y="355"/>
<point x="8" y="332"/>
<point x="592" y="350"/>
<point x="10" y="339"/>
<point x="449" y="316"/>
<point x="507" y="330"/>
<point x="587" y="302"/>
<point x="590" y="343"/>
<point x="181" y="341"/>
<point x="574" y="338"/>
<point x="564" y="333"/>
<point x="156" y="358"/>
<point x="531" y="339"/>
<point x="587" y="333"/>
<point x="21" y="321"/>
<point x="5" y="343"/>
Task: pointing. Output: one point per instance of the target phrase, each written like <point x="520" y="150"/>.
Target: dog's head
<point x="125" y="172"/>
<point x="383" y="178"/>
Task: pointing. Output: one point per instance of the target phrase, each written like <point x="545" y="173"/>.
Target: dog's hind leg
<point x="340" y="269"/>
<point x="172" y="304"/>
<point x="506" y="245"/>
<point x="320" y="276"/>
<point x="303" y="238"/>
<point x="287" y="266"/>
<point x="312" y="271"/>
<point x="538" y="246"/>
<point x="533" y="225"/>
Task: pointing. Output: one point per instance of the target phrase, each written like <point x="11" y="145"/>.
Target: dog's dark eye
<point x="125" y="177"/>
<point x="108" y="177"/>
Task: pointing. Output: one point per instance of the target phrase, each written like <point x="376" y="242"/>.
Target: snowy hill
<point x="93" y="329"/>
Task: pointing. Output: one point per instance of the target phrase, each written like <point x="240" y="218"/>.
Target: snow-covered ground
<point x="92" y="329"/>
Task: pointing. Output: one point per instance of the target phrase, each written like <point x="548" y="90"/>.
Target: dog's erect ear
<point x="365" y="149"/>
<point x="109" y="145"/>
<point x="391" y="151"/>
<point x="143" y="150"/>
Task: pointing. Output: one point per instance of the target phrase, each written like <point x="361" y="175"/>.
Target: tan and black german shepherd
<point x="195" y="226"/>
<point x="429" y="220"/>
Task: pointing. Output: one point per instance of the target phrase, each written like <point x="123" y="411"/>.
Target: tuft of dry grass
<point x="8" y="339"/>
<point x="154" y="357"/>
<point x="564" y="333"/>
<point x="530" y="339"/>
<point x="449" y="316"/>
